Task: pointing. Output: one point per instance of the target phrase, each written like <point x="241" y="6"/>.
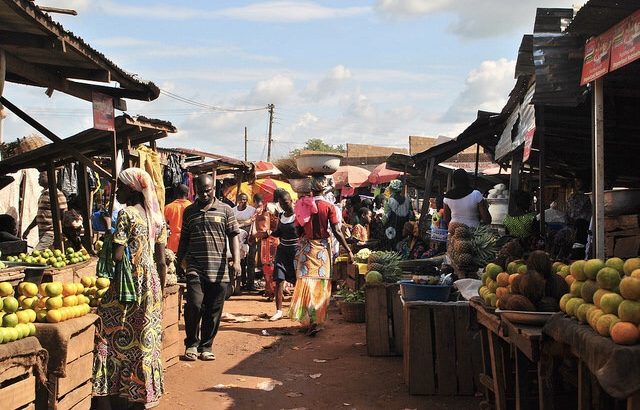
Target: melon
<point x="609" y="303"/>
<point x="604" y="323"/>
<point x="629" y="311"/>
<point x="583" y="309"/>
<point x="630" y="265"/>
<point x="573" y="304"/>
<point x="563" y="301"/>
<point x="589" y="288"/>
<point x="608" y="278"/>
<point x="630" y="288"/>
<point x="373" y="277"/>
<point x="577" y="270"/>
<point x="592" y="267"/>
<point x="593" y="315"/>
<point x="599" y="293"/>
<point x="615" y="263"/>
<point x="576" y="288"/>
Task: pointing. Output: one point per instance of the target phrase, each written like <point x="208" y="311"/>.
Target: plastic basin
<point x="412" y="291"/>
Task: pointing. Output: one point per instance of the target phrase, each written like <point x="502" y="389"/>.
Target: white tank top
<point x="465" y="209"/>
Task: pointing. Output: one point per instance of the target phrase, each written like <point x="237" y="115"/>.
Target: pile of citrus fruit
<point x="606" y="295"/>
<point x="55" y="258"/>
<point x="17" y="321"/>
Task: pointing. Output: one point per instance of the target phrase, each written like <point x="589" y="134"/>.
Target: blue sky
<point x="344" y="71"/>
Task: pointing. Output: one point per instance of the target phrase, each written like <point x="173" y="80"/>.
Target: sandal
<point x="207" y="356"/>
<point x="191" y="355"/>
<point x="313" y="330"/>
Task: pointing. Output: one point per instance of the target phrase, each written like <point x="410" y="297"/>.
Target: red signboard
<point x="626" y="41"/>
<point x="103" y="116"/>
<point x="597" y="53"/>
<point x="528" y="143"/>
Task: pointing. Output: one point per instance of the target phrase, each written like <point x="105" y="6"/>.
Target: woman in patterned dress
<point x="315" y="219"/>
<point x="128" y="363"/>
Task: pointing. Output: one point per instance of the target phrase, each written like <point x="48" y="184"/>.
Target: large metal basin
<point x="324" y="163"/>
<point x="621" y="202"/>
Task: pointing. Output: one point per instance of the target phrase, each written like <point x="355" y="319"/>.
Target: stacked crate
<point x="171" y="342"/>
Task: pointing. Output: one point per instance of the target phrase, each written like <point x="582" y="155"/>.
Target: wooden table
<point x="509" y="353"/>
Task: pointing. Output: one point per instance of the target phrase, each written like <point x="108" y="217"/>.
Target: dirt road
<point x="329" y="371"/>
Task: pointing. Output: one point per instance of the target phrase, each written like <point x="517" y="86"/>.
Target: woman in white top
<point x="463" y="204"/>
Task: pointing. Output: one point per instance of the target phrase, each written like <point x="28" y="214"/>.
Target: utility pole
<point x="271" y="107"/>
<point x="245" y="143"/>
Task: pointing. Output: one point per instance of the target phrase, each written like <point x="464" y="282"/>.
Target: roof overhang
<point x="40" y="52"/>
<point x="91" y="143"/>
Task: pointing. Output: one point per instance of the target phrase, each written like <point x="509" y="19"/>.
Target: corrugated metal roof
<point x="41" y="52"/>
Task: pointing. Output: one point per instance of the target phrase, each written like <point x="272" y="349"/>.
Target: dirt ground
<point x="329" y="371"/>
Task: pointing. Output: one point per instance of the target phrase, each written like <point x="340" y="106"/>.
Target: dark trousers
<point x="249" y="267"/>
<point x="202" y="313"/>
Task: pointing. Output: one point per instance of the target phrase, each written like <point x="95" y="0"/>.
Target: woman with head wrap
<point x="397" y="212"/>
<point x="463" y="204"/>
<point x="315" y="219"/>
<point x="128" y="362"/>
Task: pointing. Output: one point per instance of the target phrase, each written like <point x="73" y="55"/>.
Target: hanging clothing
<point x="69" y="179"/>
<point x="32" y="191"/>
<point x="150" y="162"/>
<point x="172" y="175"/>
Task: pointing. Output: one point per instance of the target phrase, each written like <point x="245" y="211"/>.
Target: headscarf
<point x="461" y="185"/>
<point x="140" y="181"/>
<point x="395" y="185"/>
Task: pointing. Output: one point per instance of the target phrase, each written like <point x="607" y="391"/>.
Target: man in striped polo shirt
<point x="208" y="228"/>
<point x="44" y="217"/>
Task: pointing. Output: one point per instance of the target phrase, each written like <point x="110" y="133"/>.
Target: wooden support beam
<point x="597" y="158"/>
<point x="28" y="40"/>
<point x="55" y="207"/>
<point x="83" y="91"/>
<point x="53" y="137"/>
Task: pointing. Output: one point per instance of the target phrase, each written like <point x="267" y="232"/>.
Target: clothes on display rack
<point x="69" y="179"/>
<point x="150" y="162"/>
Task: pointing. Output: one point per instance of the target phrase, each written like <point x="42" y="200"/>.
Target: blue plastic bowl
<point x="412" y="291"/>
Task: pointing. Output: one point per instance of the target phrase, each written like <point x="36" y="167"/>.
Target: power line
<point x="209" y="107"/>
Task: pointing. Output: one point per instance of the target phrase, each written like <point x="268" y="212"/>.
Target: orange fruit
<point x="69" y="289"/>
<point x="513" y="277"/>
<point x="625" y="333"/>
<point x="569" y="279"/>
<point x="630" y="288"/>
<point x="503" y="279"/>
<point x="54" y="316"/>
<point x="501" y="291"/>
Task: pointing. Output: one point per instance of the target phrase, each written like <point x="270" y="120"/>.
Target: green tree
<point x="316" y="144"/>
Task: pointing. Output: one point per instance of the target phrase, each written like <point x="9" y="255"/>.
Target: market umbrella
<point x="352" y="176"/>
<point x="264" y="186"/>
<point x="382" y="175"/>
<point x="266" y="169"/>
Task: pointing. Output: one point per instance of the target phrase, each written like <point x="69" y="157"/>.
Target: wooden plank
<point x="584" y="387"/>
<point x="397" y="321"/>
<point x="420" y="351"/>
<point x="497" y="370"/>
<point x="463" y="350"/>
<point x="377" y="321"/>
<point x="75" y="397"/>
<point x="80" y="344"/>
<point x="546" y="390"/>
<point x="170" y="335"/>
<point x="83" y="405"/>
<point x="633" y="402"/>
<point x="406" y="365"/>
<point x="78" y="372"/>
<point x="445" y="349"/>
<point x="20" y="393"/>
<point x="523" y="382"/>
<point x="170" y="313"/>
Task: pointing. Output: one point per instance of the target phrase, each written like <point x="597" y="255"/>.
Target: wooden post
<point x="245" y="143"/>
<point x="428" y="177"/>
<point x="514" y="181"/>
<point x="477" y="164"/>
<point x="114" y="172"/>
<point x="541" y="165"/>
<point x="55" y="207"/>
<point x="597" y="158"/>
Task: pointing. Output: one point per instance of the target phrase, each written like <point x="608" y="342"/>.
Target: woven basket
<point x="30" y="142"/>
<point x="353" y="312"/>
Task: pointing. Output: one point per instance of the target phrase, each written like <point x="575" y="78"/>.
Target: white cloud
<point x="473" y="18"/>
<point x="331" y="83"/>
<point x="270" y="11"/>
<point x="486" y="88"/>
<point x="274" y="90"/>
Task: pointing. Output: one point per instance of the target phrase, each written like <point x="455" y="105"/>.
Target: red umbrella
<point x="382" y="175"/>
<point x="352" y="176"/>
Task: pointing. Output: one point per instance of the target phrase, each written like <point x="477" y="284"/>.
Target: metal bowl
<point x="526" y="318"/>
<point x="325" y="163"/>
<point x="621" y="202"/>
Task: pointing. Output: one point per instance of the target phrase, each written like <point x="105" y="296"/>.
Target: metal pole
<point x="245" y="143"/>
<point x="597" y="146"/>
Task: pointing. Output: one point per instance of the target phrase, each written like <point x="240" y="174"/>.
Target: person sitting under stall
<point x="8" y="229"/>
